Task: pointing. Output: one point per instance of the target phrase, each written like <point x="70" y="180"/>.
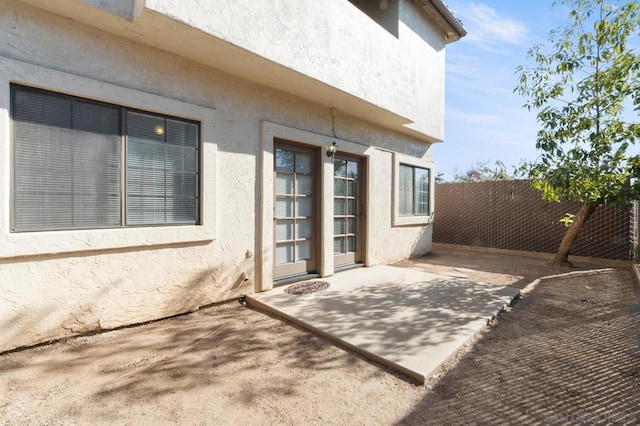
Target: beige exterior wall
<point x="56" y="284"/>
<point x="321" y="45"/>
<point x="328" y="51"/>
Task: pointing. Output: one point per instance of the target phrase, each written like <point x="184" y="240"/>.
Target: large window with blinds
<point x="82" y="164"/>
<point x="413" y="188"/>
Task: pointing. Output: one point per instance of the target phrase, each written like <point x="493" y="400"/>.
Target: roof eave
<point x="440" y="12"/>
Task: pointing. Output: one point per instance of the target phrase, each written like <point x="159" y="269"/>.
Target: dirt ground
<point x="568" y="352"/>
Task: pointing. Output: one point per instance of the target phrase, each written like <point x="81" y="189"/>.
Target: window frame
<point x="15" y="244"/>
<point x="414" y="188"/>
<point x="415" y="219"/>
<point x="123" y="136"/>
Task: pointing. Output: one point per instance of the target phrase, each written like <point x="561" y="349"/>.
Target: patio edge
<point x="412" y="374"/>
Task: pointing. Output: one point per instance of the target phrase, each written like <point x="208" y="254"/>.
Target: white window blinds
<point x="162" y="170"/>
<point x="68" y="157"/>
<point x="66" y="162"/>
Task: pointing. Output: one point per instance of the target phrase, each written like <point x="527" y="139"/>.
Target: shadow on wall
<point x="230" y="343"/>
<point x="33" y="321"/>
<point x="414" y="21"/>
<point x="421" y="244"/>
<point x="107" y="303"/>
<point x="211" y="285"/>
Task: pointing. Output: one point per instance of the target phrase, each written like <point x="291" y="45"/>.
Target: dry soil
<point x="568" y="352"/>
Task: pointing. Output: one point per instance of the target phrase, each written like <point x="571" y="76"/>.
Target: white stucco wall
<point x="329" y="52"/>
<point x="55" y="284"/>
<point x="334" y="42"/>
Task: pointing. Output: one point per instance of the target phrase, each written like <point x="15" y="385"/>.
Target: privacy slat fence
<point x="511" y="215"/>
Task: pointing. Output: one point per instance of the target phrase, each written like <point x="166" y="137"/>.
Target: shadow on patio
<point x="569" y="353"/>
<point x="411" y="321"/>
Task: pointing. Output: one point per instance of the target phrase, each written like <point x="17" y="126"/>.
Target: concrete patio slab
<point x="409" y="320"/>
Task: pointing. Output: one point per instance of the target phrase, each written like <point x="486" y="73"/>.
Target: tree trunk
<point x="562" y="255"/>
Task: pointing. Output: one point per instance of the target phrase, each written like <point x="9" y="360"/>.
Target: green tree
<point x="580" y="84"/>
<point x="482" y="171"/>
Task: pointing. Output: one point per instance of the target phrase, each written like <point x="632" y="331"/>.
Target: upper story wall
<point x="329" y="52"/>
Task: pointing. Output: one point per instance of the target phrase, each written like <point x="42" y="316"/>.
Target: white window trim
<point x="55" y="242"/>
<point x="416" y="220"/>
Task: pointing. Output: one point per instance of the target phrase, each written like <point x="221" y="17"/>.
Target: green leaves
<point x="567" y="220"/>
<point x="483" y="171"/>
<point x="580" y="84"/>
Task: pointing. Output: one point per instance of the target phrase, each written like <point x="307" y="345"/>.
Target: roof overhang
<point x="444" y="18"/>
<point x="138" y="22"/>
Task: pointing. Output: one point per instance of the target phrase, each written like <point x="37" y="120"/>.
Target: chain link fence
<point x="511" y="215"/>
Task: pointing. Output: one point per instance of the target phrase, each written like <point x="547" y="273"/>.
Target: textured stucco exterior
<point x="328" y="52"/>
<point x="57" y="284"/>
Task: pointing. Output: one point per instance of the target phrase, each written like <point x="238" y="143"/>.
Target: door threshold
<point x="293" y="279"/>
<point x="348" y="266"/>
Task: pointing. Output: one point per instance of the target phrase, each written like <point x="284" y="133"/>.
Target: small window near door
<point x="414" y="190"/>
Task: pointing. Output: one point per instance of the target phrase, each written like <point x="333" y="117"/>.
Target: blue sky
<point x="484" y="119"/>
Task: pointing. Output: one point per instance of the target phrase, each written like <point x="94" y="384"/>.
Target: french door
<point x="348" y="210"/>
<point x="295" y="218"/>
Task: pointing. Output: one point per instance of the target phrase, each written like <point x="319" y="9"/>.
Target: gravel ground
<point x="568" y="352"/>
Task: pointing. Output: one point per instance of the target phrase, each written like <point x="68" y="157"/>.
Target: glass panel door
<point x="294" y="218"/>
<point x="348" y="210"/>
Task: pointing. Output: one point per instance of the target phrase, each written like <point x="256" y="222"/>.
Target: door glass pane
<point x="284" y="207"/>
<point x="303" y="185"/>
<point x="352" y="169"/>
<point x="303" y="163"/>
<point x="303" y="229"/>
<point x="346" y="207"/>
<point x="295" y="187"/>
<point x="304" y="207"/>
<point x="352" y="188"/>
<point x="351" y="244"/>
<point x="284" y="230"/>
<point x="303" y="250"/>
<point x="284" y="160"/>
<point x="284" y="253"/>
<point x="352" y="225"/>
<point x="352" y="207"/>
<point x="284" y="183"/>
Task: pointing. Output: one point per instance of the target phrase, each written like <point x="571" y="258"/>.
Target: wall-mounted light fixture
<point x="332" y="149"/>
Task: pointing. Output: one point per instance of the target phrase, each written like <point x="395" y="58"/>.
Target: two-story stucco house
<point x="158" y="156"/>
